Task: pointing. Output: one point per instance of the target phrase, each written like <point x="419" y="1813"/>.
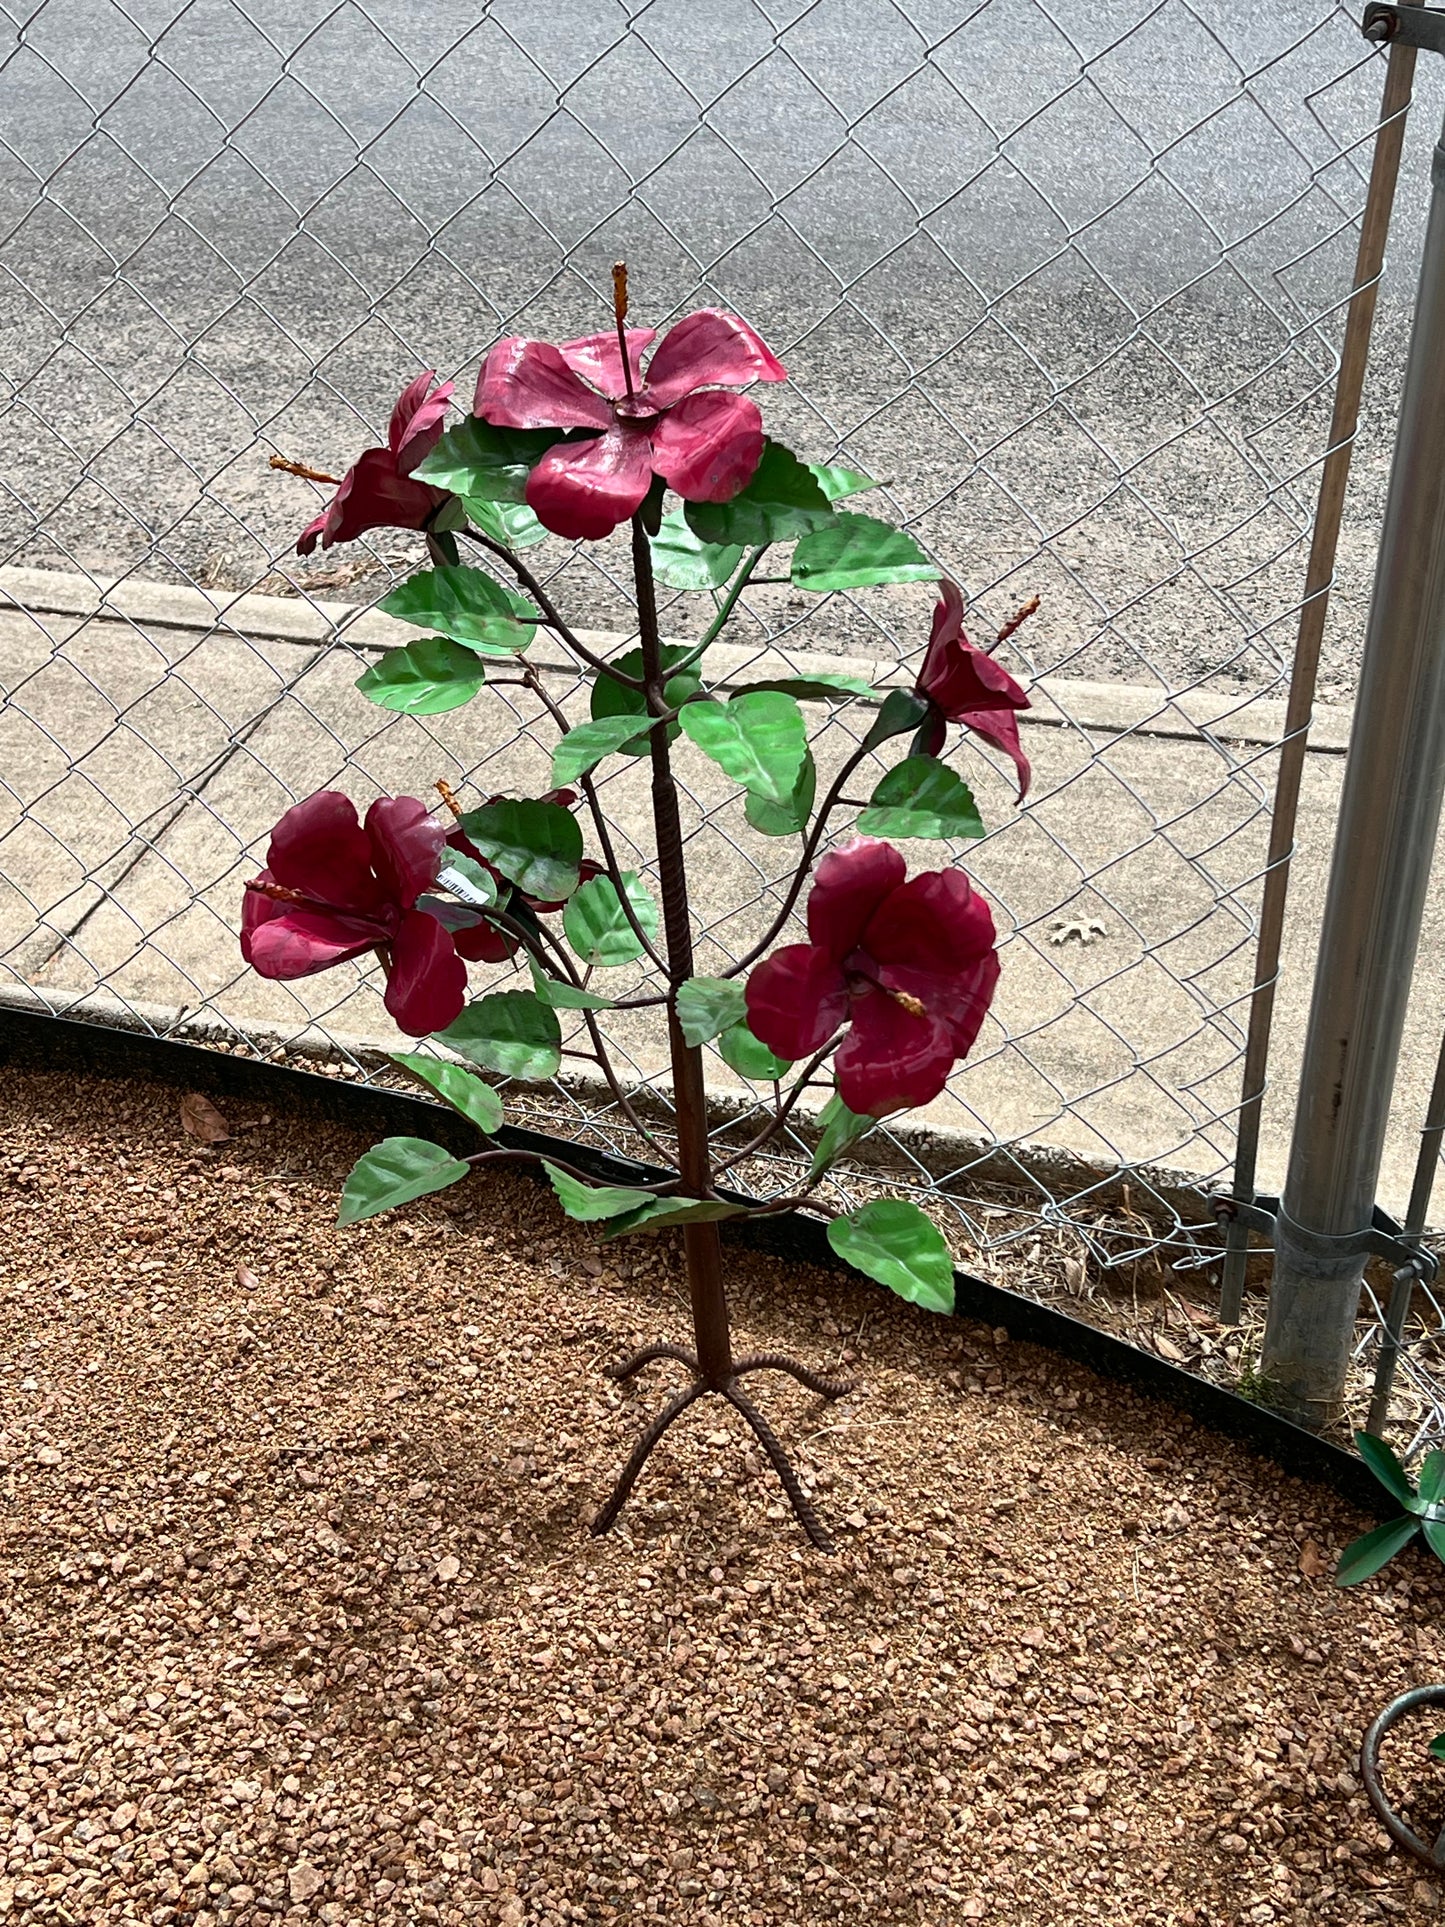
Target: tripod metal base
<point x="729" y="1388"/>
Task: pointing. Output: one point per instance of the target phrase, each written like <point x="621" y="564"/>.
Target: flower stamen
<point x="905" y="1001"/>
<point x="1017" y="620"/>
<point x="619" y="309"/>
<point x="306" y="474"/>
<point x="278" y="892"/>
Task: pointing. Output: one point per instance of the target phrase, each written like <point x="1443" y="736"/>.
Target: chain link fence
<point x="1066" y="278"/>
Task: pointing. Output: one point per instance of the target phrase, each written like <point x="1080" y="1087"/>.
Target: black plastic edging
<point x="32" y="1041"/>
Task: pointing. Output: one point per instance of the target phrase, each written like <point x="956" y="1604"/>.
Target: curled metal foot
<point x="641" y="1452"/>
<point x="792" y="1485"/>
<point x="776" y="1362"/>
<point x="649" y="1356"/>
<point x="1402" y="1835"/>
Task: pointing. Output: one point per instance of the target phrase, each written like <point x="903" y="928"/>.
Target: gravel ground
<point x="303" y="1621"/>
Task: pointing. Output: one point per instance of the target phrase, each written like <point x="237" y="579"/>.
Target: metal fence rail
<point x="1067" y="279"/>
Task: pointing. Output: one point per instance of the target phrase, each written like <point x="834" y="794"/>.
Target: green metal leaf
<point x="780" y="503"/>
<point x="836" y="483"/>
<point x="750" y="1057"/>
<point x="902" y="711"/>
<point x="855" y="551"/>
<point x="426" y="678"/>
<point x="760" y="741"/>
<point x="394" y="1172"/>
<point x="484" y="463"/>
<point x="1437" y="1746"/>
<point x="892" y="1241"/>
<point x="1432" y="1478"/>
<point x="467" y="880"/>
<point x="658" y="1212"/>
<point x="790" y="818"/>
<point x="512" y="1032"/>
<point x="682" y="560"/>
<point x="841" y="1127"/>
<point x="921" y="797"/>
<point x="463" y="1090"/>
<point x="559" y="995"/>
<point x="466" y="604"/>
<point x="511" y="523"/>
<point x="537" y="846"/>
<point x="1366" y="1555"/>
<point x="708" y="1005"/>
<point x="611" y="698"/>
<point x="597" y="926"/>
<point x="812" y="689"/>
<point x="1385" y="1465"/>
<point x="588" y="1203"/>
<point x="585" y="745"/>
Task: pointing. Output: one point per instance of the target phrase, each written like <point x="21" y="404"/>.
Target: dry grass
<point x="303" y="1621"/>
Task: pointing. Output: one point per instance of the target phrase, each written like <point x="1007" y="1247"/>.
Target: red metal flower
<point x="910" y="967"/>
<point x="965" y="685"/>
<point x="333" y="889"/>
<point x="378" y="492"/>
<point x="674" y="421"/>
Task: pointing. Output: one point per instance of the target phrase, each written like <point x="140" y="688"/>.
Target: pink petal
<point x="960" y="1001"/>
<point x="527" y="384"/>
<point x="709" y="446"/>
<point x="848" y="887"/>
<point x="484" y="943"/>
<point x="947" y="628"/>
<point x="1001" y="727"/>
<point x="416" y="421"/>
<point x="320" y="848"/>
<point x="598" y="359"/>
<point x="706" y="349"/>
<point x="406" y="847"/>
<point x="936" y="922"/>
<point x="306" y="540"/>
<point x="891" y="1060"/>
<point x="428" y="982"/>
<point x="796" y="999"/>
<point x="374" y="494"/>
<point x="584" y="490"/>
<point x="299" y="942"/>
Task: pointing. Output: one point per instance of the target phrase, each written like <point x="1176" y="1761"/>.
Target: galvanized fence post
<point x="1384" y="845"/>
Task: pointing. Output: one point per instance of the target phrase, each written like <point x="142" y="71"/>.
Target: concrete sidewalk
<point x="150" y="736"/>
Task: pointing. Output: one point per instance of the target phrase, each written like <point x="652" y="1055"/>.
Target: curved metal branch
<point x="641" y="1452"/>
<point x="544" y="602"/>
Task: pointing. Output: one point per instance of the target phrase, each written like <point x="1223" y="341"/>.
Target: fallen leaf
<point x="202" y="1120"/>
<point x="1166" y="1348"/>
<point x="1312" y="1562"/>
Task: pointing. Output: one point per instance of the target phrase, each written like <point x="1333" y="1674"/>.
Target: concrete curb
<point x="1114" y="709"/>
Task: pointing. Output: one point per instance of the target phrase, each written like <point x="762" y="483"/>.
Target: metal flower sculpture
<point x="865" y="1019"/>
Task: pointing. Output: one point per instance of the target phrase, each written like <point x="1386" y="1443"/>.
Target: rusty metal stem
<point x="1334" y="476"/>
<point x="701" y="1244"/>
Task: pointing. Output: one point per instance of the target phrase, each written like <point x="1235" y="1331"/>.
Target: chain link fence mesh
<point x="1066" y="278"/>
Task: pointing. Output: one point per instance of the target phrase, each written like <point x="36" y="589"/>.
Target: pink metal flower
<point x="965" y="685"/>
<point x="378" y="492"/>
<point x="910" y="968"/>
<point x="333" y="889"/>
<point x="674" y="421"/>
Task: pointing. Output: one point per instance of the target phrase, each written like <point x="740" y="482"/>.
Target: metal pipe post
<point x="1384" y="844"/>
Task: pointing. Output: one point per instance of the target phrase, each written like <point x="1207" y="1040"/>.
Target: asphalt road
<point x="1050" y="273"/>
